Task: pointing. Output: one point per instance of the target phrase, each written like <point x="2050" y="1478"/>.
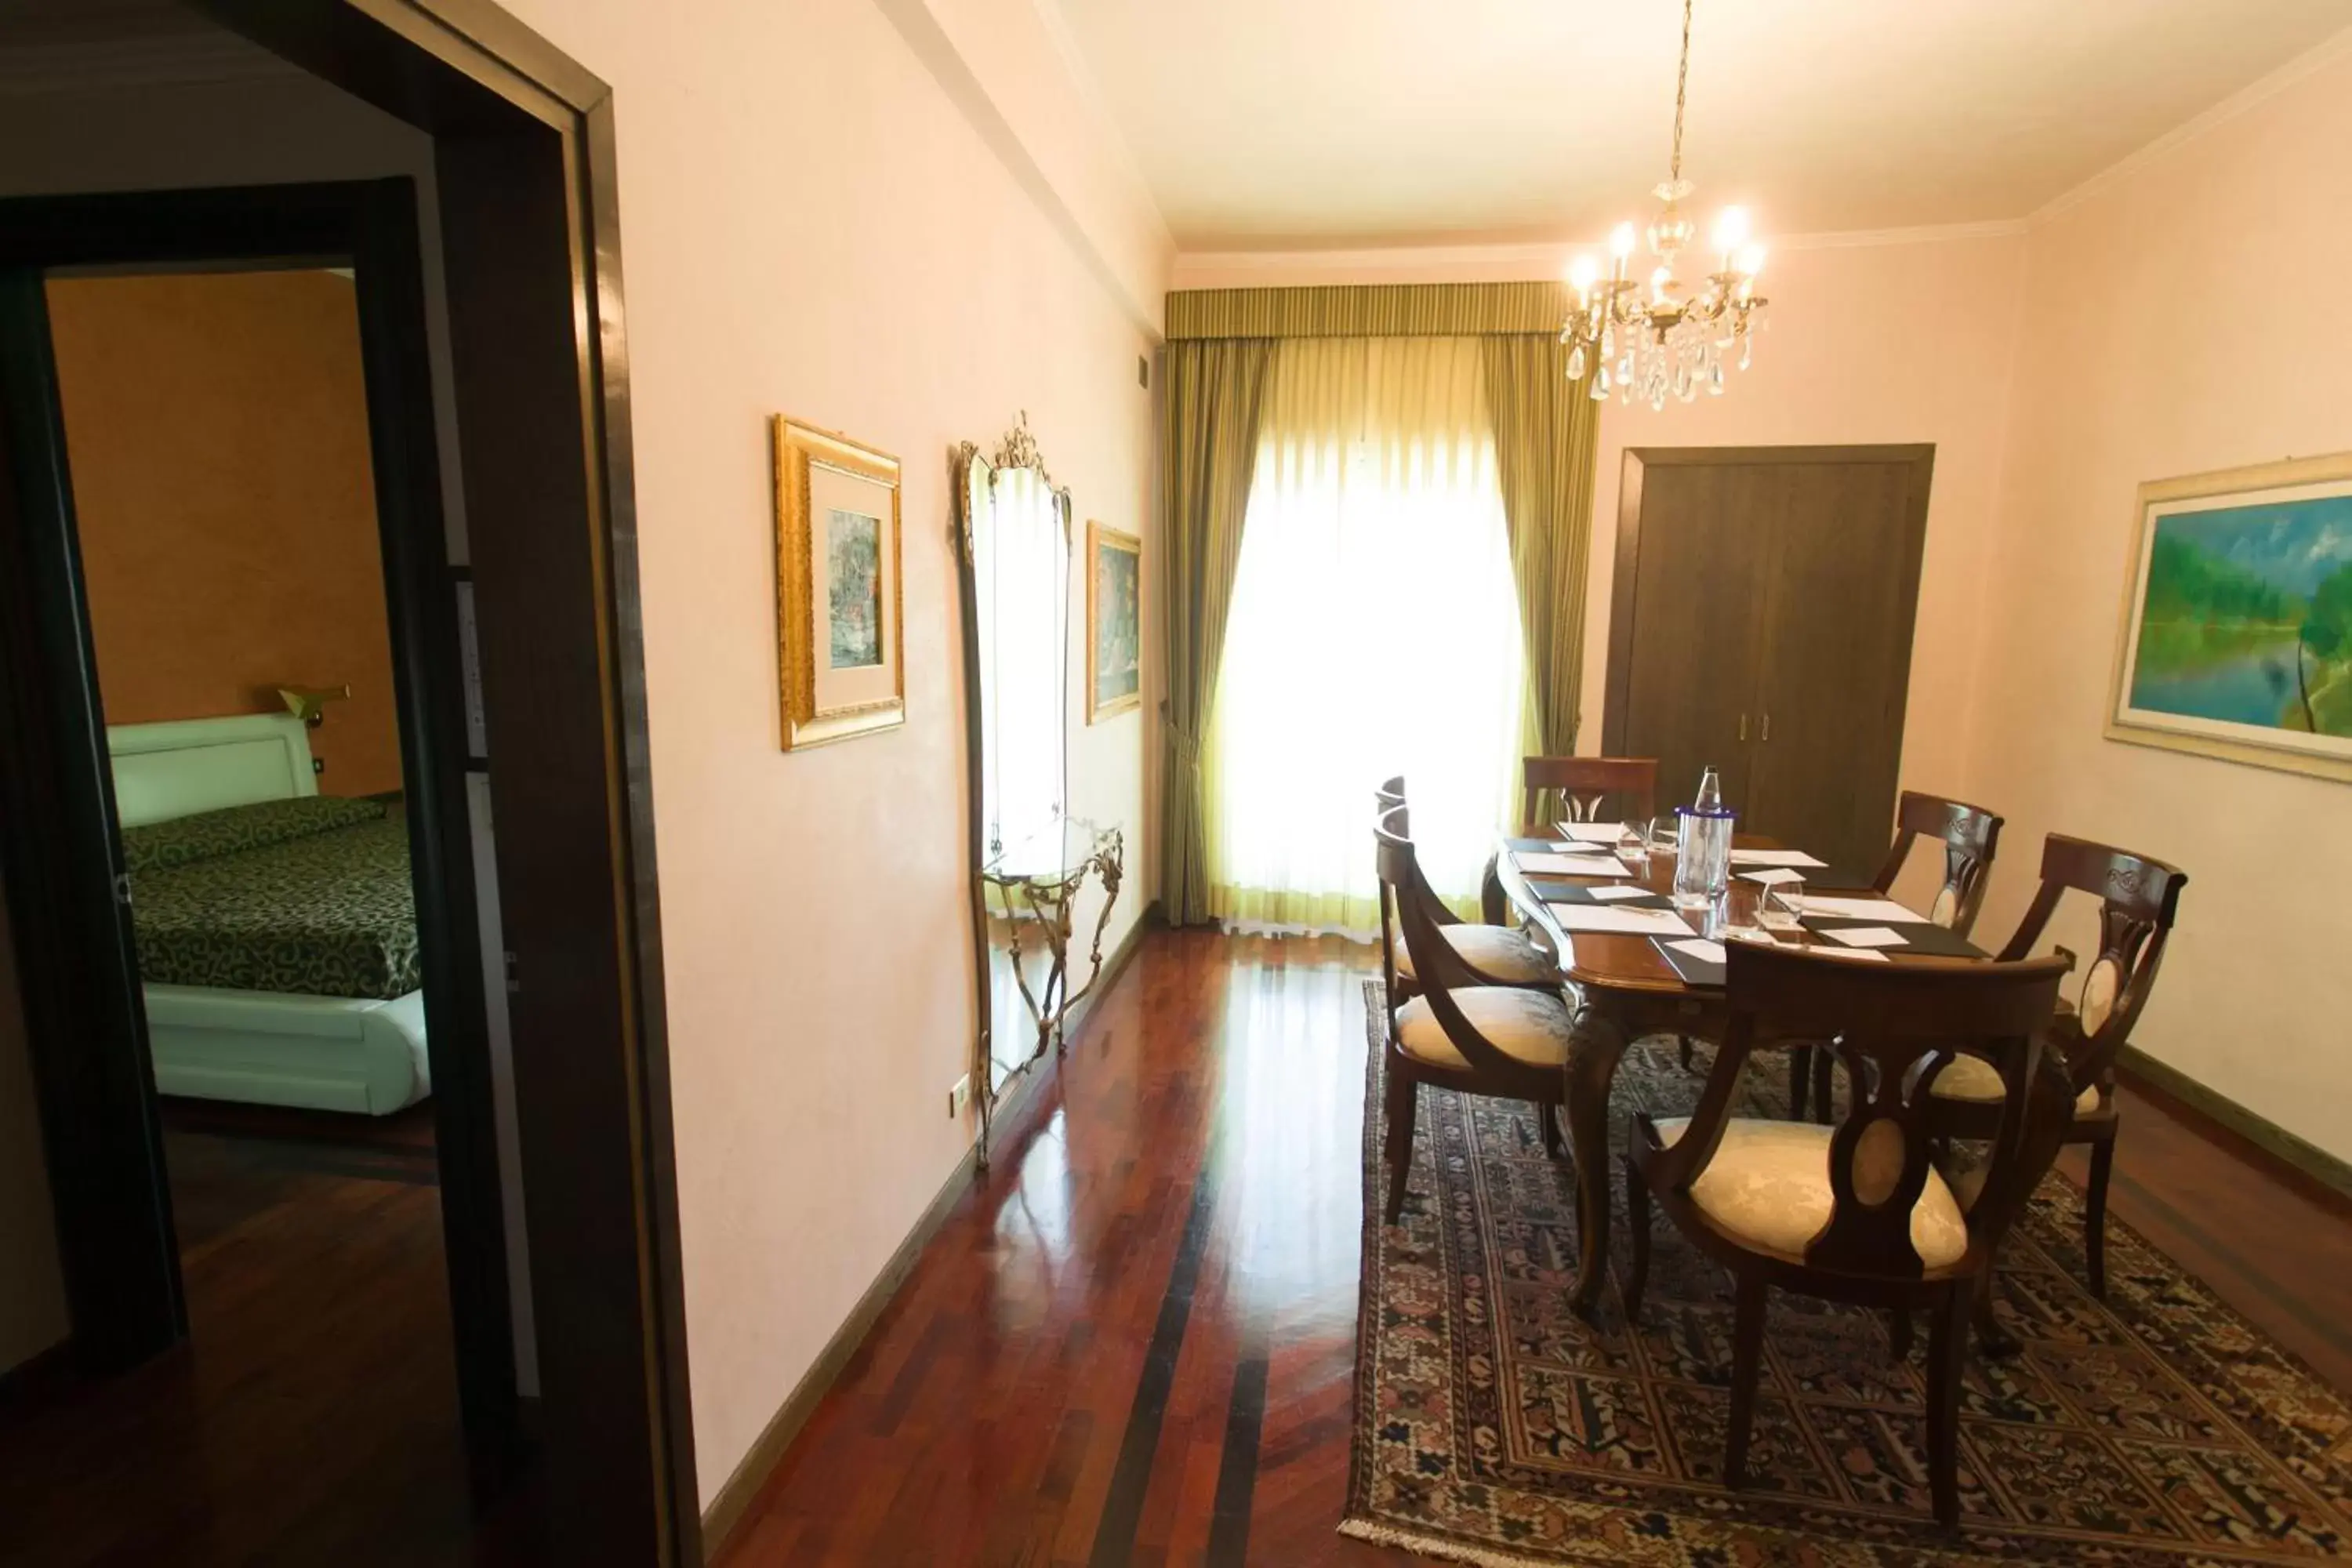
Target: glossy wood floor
<point x="1135" y="1342"/>
<point x="311" y="1418"/>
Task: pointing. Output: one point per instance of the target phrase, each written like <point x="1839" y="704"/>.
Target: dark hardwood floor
<point x="311" y="1418"/>
<point x="1133" y="1345"/>
<point x="1134" y="1342"/>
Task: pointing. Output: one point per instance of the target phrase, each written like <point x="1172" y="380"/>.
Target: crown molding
<point x="1533" y="259"/>
<point x="161" y="59"/>
<point x="1088" y="86"/>
<point x="2252" y="95"/>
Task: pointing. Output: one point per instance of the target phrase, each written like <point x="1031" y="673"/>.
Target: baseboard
<point x="1012" y="1116"/>
<point x="2305" y="1159"/>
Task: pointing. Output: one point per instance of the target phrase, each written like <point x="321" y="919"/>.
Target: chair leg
<point x="1402" y="1099"/>
<point x="1898" y="1334"/>
<point x="2095" y="1216"/>
<point x="1746" y="1367"/>
<point x="1637" y="1213"/>
<point x="1555" y="1142"/>
<point x="1947" y="1343"/>
<point x="1800" y="1075"/>
<point x="1683" y="1043"/>
<point x="1993" y="1342"/>
<point x="1824" y="1064"/>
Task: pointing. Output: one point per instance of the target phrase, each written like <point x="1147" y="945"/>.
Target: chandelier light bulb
<point x="1584" y="272"/>
<point x="1730" y="230"/>
<point x="1620" y="241"/>
<point x="1750" y="261"/>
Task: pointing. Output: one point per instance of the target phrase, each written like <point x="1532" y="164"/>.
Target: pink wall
<point x="813" y="226"/>
<point x="1873" y="343"/>
<point x="2186" y="314"/>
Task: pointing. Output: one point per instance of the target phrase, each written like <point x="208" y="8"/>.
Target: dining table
<point x="1621" y="988"/>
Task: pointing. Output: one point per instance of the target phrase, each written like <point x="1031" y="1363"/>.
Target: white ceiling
<point x="1273" y="123"/>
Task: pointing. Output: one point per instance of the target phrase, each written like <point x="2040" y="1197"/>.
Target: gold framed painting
<point x="2236" y="634"/>
<point x="841" y="647"/>
<point x="1114" y="622"/>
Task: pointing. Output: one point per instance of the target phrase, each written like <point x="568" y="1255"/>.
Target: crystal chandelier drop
<point x="1657" y="340"/>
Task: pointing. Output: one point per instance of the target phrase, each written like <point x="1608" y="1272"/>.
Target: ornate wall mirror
<point x="1030" y="859"/>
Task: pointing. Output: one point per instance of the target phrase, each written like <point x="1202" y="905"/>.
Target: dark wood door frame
<point x="525" y="165"/>
<point x="1616" y="691"/>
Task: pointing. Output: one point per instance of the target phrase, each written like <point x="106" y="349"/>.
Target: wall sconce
<point x="308" y="703"/>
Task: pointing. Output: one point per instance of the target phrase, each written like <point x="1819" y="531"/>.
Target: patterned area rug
<point x="1495" y="1427"/>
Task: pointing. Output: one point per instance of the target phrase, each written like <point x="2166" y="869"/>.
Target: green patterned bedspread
<point x="330" y="914"/>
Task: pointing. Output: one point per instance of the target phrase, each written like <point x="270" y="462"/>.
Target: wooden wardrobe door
<point x="1688" y="621"/>
<point x="1839" y="598"/>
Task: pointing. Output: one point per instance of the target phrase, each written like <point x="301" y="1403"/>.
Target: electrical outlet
<point x="960" y="1097"/>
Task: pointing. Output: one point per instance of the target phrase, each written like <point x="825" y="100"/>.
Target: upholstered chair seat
<point x="1768" y="1186"/>
<point x="1499" y="952"/>
<point x="1529" y="1027"/>
<point x="1973" y="1077"/>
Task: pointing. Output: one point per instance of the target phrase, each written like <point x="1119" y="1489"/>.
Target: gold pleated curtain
<point x="1220" y="345"/>
<point x="1545" y="430"/>
<point x="1216" y="391"/>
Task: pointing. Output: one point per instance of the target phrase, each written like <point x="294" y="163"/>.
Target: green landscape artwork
<point x="2246" y="619"/>
<point x="1119" y="626"/>
<point x="854" y="601"/>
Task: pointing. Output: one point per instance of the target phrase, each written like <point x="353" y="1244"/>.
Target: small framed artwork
<point x="842" y="655"/>
<point x="1114" y="622"/>
<point x="2236" y="637"/>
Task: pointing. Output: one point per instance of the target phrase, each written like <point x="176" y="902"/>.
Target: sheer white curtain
<point x="1374" y="631"/>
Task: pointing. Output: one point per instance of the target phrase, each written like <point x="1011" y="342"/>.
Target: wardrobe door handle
<point x="1767" y="727"/>
<point x="1743" y="727"/>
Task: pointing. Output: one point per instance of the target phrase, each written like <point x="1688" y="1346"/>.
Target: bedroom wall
<point x="2255" y="996"/>
<point x="216" y="425"/>
<point x="32" y="1290"/>
<point x="814" y="224"/>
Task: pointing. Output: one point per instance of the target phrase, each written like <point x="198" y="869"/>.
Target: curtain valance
<point x="1369" y="310"/>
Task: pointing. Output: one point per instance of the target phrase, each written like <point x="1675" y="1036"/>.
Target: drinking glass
<point x="1782" y="906"/>
<point x="1634" y="845"/>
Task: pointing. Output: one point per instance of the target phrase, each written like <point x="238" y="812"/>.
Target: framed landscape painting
<point x="1114" y="622"/>
<point x="2237" y="624"/>
<point x="841" y="654"/>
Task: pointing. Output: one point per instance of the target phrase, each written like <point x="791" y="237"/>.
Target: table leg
<point x="1594" y="1050"/>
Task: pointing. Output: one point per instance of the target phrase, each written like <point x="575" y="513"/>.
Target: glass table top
<point x="1055" y="853"/>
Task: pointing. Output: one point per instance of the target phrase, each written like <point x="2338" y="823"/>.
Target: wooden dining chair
<point x="1495" y="955"/>
<point x="1856" y="1213"/>
<point x="2138" y="898"/>
<point x="1971" y="836"/>
<point x="1583" y="784"/>
<point x="1510" y="1042"/>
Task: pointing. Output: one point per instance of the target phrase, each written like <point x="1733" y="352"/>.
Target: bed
<point x="277" y="927"/>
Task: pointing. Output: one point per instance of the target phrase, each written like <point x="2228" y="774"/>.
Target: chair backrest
<point x="1970" y="835"/>
<point x="1389" y="814"/>
<point x="1438" y="968"/>
<point x="2138" y="898"/>
<point x="1582" y="783"/>
<point x="1896" y="1027"/>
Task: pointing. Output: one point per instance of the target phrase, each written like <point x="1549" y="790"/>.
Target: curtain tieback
<point x="1187" y="744"/>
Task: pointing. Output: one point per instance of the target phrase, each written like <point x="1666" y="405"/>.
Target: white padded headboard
<point x="163" y="771"/>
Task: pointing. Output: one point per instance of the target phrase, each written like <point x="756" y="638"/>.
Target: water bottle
<point x="1701" y="847"/>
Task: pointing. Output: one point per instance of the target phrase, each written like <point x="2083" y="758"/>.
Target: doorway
<point x="1761" y="626"/>
<point x="228" y="469"/>
<point x="522" y="155"/>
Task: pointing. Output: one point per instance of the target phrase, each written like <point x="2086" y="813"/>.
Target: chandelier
<point x="1657" y="340"/>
